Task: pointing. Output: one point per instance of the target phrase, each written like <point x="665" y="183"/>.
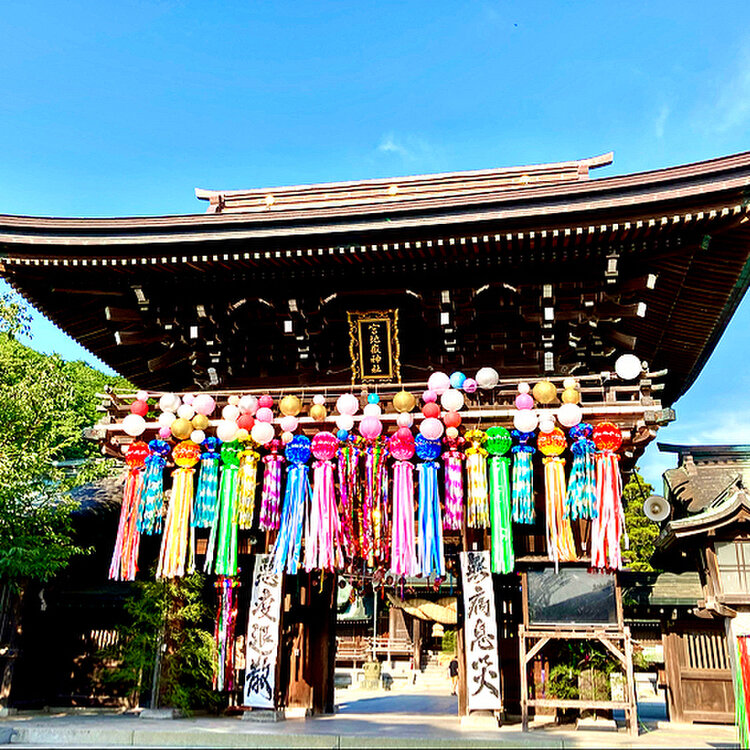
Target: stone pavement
<point x="363" y="720"/>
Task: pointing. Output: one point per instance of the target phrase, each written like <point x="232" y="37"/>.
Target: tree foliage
<point x="642" y="533"/>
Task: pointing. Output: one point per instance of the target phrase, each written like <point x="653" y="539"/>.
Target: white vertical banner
<point x="480" y="633"/>
<point x="262" y="635"/>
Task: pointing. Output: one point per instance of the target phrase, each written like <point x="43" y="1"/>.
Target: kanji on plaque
<point x="262" y="642"/>
<point x="480" y="633"/>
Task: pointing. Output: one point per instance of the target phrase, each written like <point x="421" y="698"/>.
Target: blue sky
<point x="123" y="108"/>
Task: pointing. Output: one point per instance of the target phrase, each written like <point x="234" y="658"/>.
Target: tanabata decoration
<point x="323" y="532"/>
<point x="580" y="501"/>
<point x="270" y="501"/>
<point x="205" y="504"/>
<point x="403" y="539"/>
<point x="375" y="511"/>
<point x="609" y="523"/>
<point x="430" y="552"/>
<point x="248" y="482"/>
<point x="477" y="500"/>
<point x="124" y="563"/>
<point x="560" y="543"/>
<point x="152" y="507"/>
<point x="226" y="618"/>
<point x="288" y="546"/>
<point x="348" y="460"/>
<point x="498" y="444"/>
<point x="742" y="689"/>
<point x="454" y="487"/>
<point x="222" y="544"/>
<point x="523" y="477"/>
<point x="174" y="542"/>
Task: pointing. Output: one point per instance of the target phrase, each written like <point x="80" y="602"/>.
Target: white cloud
<point x="661" y="121"/>
<point x="409" y="148"/>
<point x="733" y="98"/>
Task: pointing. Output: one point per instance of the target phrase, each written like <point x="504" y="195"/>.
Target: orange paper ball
<point x="552" y="443"/>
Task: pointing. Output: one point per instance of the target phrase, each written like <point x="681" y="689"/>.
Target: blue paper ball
<point x="297" y="450"/>
<point x="342" y="435"/>
<point x="373" y="398"/>
<point x="457" y="379"/>
<point x="159" y="447"/>
<point x="211" y="444"/>
<point x="427" y="450"/>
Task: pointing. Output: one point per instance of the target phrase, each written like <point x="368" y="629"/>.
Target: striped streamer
<point x="609" y="523"/>
<point x="270" y="504"/>
<point x="454" y="491"/>
<point x="323" y="532"/>
<point x="742" y="689"/>
<point x="205" y="505"/>
<point x="288" y="546"/>
<point x="174" y="542"/>
<point x="560" y="543"/>
<point x="500" y="515"/>
<point x="248" y="481"/>
<point x="403" y="540"/>
<point x="580" y="501"/>
<point x="430" y="538"/>
<point x="152" y="507"/>
<point x="523" y="477"/>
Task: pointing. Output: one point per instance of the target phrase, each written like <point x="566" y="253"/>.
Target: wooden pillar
<point x="630" y="684"/>
<point x="417" y="642"/>
<point x="463" y="695"/>
<point x="524" y="679"/>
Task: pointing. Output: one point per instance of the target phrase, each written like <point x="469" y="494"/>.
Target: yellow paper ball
<point x="318" y="412"/>
<point x="182" y="428"/>
<point x="570" y="396"/>
<point x="200" y="421"/>
<point x="242" y="434"/>
<point x="404" y="401"/>
<point x="544" y="392"/>
<point x="290" y="406"/>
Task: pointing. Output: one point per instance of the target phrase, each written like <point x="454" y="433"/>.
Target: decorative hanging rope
<point x="430" y="553"/>
<point x="454" y="489"/>
<point x="348" y="459"/>
<point x="560" y="542"/>
<point x="174" y="542"/>
<point x="124" y="563"/>
<point x="608" y="525"/>
<point x="205" y="505"/>
<point x="226" y="619"/>
<point x="523" y="477"/>
<point x="580" y="502"/>
<point x="222" y="544"/>
<point x="498" y="443"/>
<point x="270" y="505"/>
<point x="152" y="506"/>
<point x="477" y="501"/>
<point x="248" y="482"/>
<point x="288" y="546"/>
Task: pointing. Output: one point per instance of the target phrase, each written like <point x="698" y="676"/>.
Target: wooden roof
<point x="579" y="269"/>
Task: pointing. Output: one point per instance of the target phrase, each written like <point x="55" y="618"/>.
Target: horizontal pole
<point x="575" y="703"/>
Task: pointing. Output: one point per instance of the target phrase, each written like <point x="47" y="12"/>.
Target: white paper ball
<point x="248" y="404"/>
<point x="405" y="419"/>
<point x="166" y="418"/>
<point x="431" y="428"/>
<point x="288" y="423"/>
<point x="569" y="383"/>
<point x="234" y="400"/>
<point x="546" y="425"/>
<point x="451" y="432"/>
<point x="186" y="412"/>
<point x="319" y="399"/>
<point x="487" y="377"/>
<point x="198" y="436"/>
<point x="347" y="404"/>
<point x="628" y="367"/>
<point x="452" y="399"/>
<point x="226" y="430"/>
<point x="286" y="437"/>
<point x="141" y="396"/>
<point x="134" y="425"/>
<point x="439" y="382"/>
<point x="372" y="410"/>
<point x="345" y="422"/>
<point x="524" y="388"/>
<point x="203" y="404"/>
<point x="169" y="402"/>
<point x="569" y="415"/>
<point x="262" y="432"/>
<point x="525" y="420"/>
<point x="230" y="413"/>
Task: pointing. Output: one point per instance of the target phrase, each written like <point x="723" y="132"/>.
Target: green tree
<point x="642" y="533"/>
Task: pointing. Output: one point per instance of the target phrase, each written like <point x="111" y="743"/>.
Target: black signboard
<point x="571" y="597"/>
<point x="373" y="345"/>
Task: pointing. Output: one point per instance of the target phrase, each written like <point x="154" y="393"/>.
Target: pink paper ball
<point x="289" y="423"/>
<point x="265" y="401"/>
<point x="204" y="404"/>
<point x="439" y="382"/>
<point x="401" y="445"/>
<point x="324" y="446"/>
<point x="165" y="433"/>
<point x="524" y="401"/>
<point x="370" y="427"/>
<point x="429" y="397"/>
<point x="264" y="414"/>
<point x="188" y="398"/>
<point x="431" y="428"/>
<point x="470" y="385"/>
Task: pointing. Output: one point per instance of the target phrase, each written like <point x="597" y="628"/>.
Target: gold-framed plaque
<point x="373" y="345"/>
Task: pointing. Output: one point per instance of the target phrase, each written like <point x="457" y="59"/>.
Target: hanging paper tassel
<point x="124" y="563"/>
<point x="221" y="553"/>
<point x="498" y="443"/>
<point x="403" y="539"/>
<point x="348" y="459"/>
<point x="477" y="501"/>
<point x="248" y="481"/>
<point x="174" y="542"/>
<point x="270" y="504"/>
<point x="742" y="690"/>
<point x="152" y="506"/>
<point x="205" y="505"/>
<point x="454" y="488"/>
<point x="581" y="498"/>
<point x="430" y="551"/>
<point x="323" y="533"/>
<point x="523" y="478"/>
<point x="609" y="523"/>
<point x="226" y="618"/>
<point x="288" y="546"/>
<point x="560" y="542"/>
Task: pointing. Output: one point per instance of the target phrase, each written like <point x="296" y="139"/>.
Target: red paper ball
<point x="324" y="446"/>
<point x="136" y="454"/>
<point x="607" y="436"/>
<point x="431" y="410"/>
<point x="139" y="407"/>
<point x="552" y="443"/>
<point x="246" y="422"/>
<point x="401" y="444"/>
<point x="266" y="401"/>
<point x="451" y="419"/>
